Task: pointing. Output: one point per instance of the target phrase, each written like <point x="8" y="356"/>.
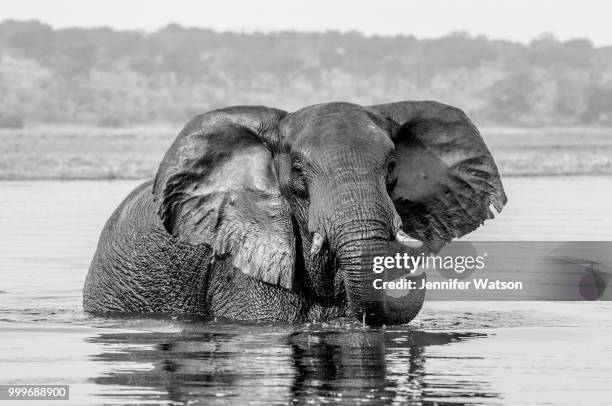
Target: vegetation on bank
<point x="109" y="86"/>
<point x="112" y="78"/>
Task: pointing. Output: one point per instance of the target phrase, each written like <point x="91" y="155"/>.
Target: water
<point x="453" y="353"/>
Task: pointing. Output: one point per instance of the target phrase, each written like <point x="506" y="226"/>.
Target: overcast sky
<point x="519" y="20"/>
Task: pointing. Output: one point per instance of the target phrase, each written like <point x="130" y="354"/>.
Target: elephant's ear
<point x="446" y="177"/>
<point x="217" y="185"/>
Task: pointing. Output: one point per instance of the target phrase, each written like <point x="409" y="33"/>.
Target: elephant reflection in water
<point x="266" y="367"/>
<point x="352" y="366"/>
<point x="382" y="366"/>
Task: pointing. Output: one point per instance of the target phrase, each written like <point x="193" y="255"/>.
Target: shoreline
<point x="96" y="153"/>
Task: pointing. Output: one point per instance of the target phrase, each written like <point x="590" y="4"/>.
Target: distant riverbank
<point x="62" y="152"/>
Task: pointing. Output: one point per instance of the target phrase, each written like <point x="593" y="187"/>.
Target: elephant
<point x="256" y="213"/>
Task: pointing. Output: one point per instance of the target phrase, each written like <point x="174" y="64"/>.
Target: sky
<point x="517" y="20"/>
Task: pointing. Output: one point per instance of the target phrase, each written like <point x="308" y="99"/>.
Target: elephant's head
<point x="298" y="199"/>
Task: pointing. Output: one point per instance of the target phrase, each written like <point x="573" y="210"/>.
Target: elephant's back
<point x="137" y="210"/>
<point x="134" y="217"/>
<point x="137" y="263"/>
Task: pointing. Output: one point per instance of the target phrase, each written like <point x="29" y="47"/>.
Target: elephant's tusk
<point x="408" y="241"/>
<point x="317" y="243"/>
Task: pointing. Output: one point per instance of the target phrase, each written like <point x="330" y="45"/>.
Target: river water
<point x="453" y="353"/>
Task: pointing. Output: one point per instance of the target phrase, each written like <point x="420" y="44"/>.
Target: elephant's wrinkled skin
<point x="256" y="213"/>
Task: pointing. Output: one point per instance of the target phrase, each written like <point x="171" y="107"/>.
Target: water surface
<point x="453" y="353"/>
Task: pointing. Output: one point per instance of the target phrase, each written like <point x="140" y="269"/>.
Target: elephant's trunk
<point x="356" y="242"/>
<point x="365" y="301"/>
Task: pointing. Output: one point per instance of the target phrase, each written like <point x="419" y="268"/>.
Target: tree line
<point x="111" y="78"/>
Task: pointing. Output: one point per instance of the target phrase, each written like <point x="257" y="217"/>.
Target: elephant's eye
<point x="391" y="178"/>
<point x="298" y="181"/>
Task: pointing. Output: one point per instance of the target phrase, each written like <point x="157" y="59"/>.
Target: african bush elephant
<point x="256" y="213"/>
